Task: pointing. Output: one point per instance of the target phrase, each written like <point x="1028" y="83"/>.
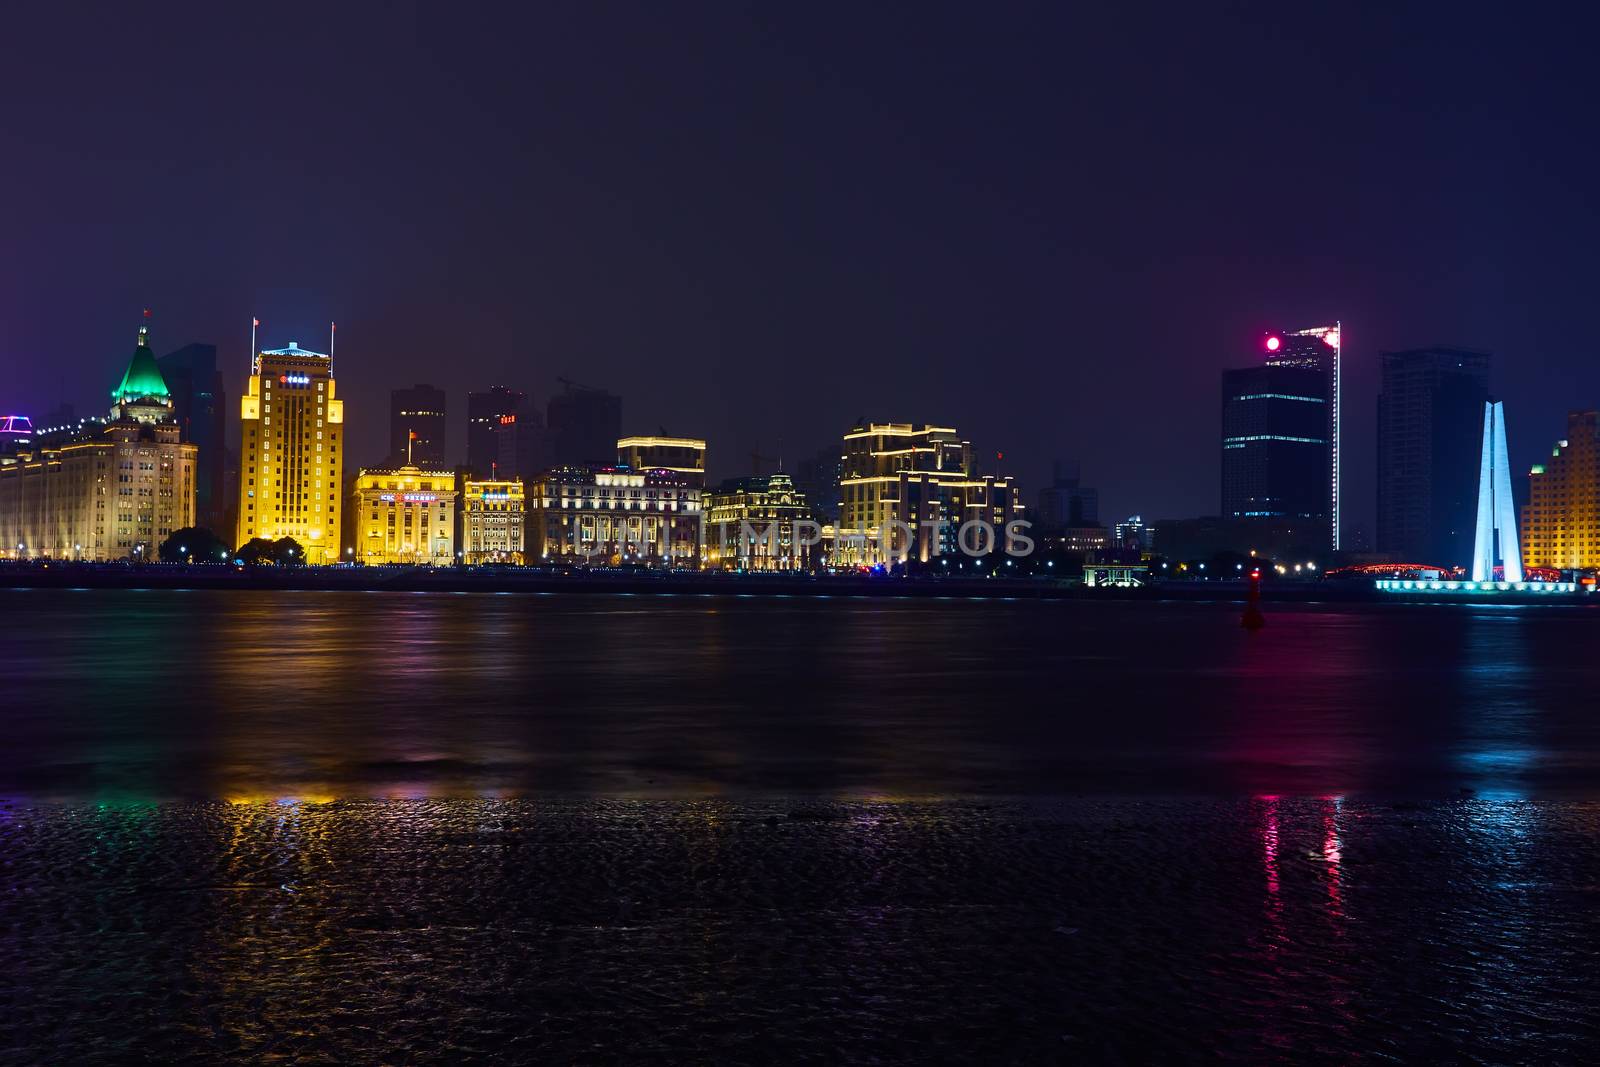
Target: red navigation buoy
<point x="1253" y="619"/>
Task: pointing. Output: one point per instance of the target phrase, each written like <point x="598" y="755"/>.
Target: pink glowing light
<point x="1272" y="344"/>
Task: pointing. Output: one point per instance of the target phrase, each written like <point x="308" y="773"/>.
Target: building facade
<point x="405" y="514"/>
<point x="1561" y="521"/>
<point x="1277" y="434"/>
<point x="484" y="412"/>
<point x="417" y="426"/>
<point x="684" y="456"/>
<point x="760" y="524"/>
<point x="291" y="448"/>
<point x="613" y="516"/>
<point x="895" y="476"/>
<point x="1430" y="425"/>
<point x="105" y="490"/>
<point x="493" y="521"/>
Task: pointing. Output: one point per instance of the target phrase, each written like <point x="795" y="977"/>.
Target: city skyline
<point x="373" y="431"/>
<point x="479" y="214"/>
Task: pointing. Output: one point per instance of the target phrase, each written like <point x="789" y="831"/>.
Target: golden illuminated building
<point x="922" y="477"/>
<point x="758" y="524"/>
<point x="680" y="455"/>
<point x="405" y="515"/>
<point x="492" y="522"/>
<point x="104" y="490"/>
<point x="1561" y="521"/>
<point x="290" y="459"/>
<point x="613" y="515"/>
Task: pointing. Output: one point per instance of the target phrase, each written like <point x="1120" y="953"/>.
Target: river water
<point x="334" y="827"/>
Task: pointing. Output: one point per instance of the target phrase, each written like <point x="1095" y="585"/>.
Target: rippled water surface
<point x="439" y="828"/>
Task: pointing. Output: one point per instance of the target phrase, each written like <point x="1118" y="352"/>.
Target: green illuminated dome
<point x="143" y="380"/>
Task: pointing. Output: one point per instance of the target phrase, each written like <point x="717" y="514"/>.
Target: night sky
<point x="1047" y="226"/>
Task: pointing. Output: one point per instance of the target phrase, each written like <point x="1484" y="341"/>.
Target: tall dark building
<point x="584" y="426"/>
<point x="417" y="419"/>
<point x="484" y="412"/>
<point x="521" y="445"/>
<point x="1066" y="501"/>
<point x="1278" y="434"/>
<point x="1430" y="434"/>
<point x="199" y="408"/>
<point x="817" y="479"/>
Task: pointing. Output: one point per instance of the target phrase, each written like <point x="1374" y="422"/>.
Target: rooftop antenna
<point x="255" y="356"/>
<point x="333" y="328"/>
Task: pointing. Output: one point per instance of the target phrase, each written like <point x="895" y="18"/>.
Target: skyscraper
<point x="1430" y="425"/>
<point x="1561" y="521"/>
<point x="584" y="425"/>
<point x="484" y="412"/>
<point x="1279" y="458"/>
<point x="290" y="455"/>
<point x="416" y="426"/>
<point x="198" y="406"/>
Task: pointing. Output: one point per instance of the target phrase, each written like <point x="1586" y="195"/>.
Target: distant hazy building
<point x="1299" y="540"/>
<point x="103" y="489"/>
<point x="817" y="479"/>
<point x="60" y="417"/>
<point x="680" y="455"/>
<point x="493" y="521"/>
<point x="1561" y="521"/>
<point x="291" y="452"/>
<point x="1430" y="429"/>
<point x="922" y="477"/>
<point x="1066" y="501"/>
<point x="613" y="516"/>
<point x="198" y="406"/>
<point x="584" y="425"/>
<point x="755" y="524"/>
<point x="485" y="410"/>
<point x="522" y="445"/>
<point x="1279" y="433"/>
<point x="417" y="422"/>
<point x="405" y="514"/>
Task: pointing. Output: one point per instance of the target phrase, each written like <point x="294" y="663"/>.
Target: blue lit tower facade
<point x="1280" y="432"/>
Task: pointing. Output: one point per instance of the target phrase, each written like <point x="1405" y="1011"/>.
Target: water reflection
<point x="121" y="695"/>
<point x="1277" y="927"/>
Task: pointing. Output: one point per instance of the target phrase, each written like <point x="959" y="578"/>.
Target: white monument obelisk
<point x="1497" y="513"/>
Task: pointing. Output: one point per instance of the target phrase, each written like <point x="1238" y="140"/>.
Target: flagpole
<point x="333" y="328"/>
<point x="255" y="359"/>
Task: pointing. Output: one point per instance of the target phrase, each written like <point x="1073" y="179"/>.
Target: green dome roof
<point x="143" y="378"/>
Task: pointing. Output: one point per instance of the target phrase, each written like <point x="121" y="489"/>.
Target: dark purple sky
<point x="1048" y="226"/>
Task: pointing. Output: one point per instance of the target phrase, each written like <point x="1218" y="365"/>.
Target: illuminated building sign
<point x="294" y="379"/>
<point x="409" y="498"/>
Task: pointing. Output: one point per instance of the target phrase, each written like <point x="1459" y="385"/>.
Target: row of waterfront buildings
<point x="566" y="484"/>
<point x="569" y="488"/>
